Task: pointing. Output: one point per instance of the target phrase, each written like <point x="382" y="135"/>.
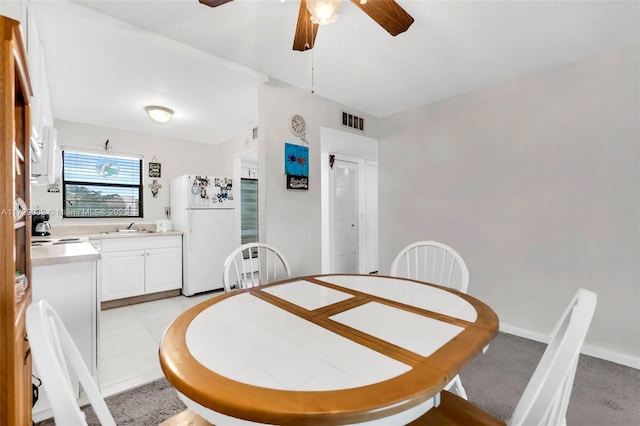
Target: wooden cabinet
<point x="15" y="225"/>
<point x="23" y="378"/>
<point x="140" y="265"/>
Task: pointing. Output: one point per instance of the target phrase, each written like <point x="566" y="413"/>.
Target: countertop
<point x="109" y="235"/>
<point x="63" y="253"/>
<point x="107" y="231"/>
<point x="84" y="251"/>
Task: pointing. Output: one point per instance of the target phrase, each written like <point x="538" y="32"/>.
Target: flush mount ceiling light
<point x="159" y="114"/>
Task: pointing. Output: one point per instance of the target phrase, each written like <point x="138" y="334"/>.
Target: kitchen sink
<point x="127" y="231"/>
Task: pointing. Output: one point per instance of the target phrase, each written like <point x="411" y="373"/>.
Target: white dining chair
<point x="254" y="264"/>
<point x="57" y="358"/>
<point x="546" y="398"/>
<point x="432" y="262"/>
<point x="435" y="263"/>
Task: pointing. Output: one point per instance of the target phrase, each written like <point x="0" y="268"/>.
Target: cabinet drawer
<point x="140" y="243"/>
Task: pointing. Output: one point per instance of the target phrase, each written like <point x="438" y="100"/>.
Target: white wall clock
<point x="297" y="126"/>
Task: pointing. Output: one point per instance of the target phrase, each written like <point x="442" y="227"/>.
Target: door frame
<point x="349" y="146"/>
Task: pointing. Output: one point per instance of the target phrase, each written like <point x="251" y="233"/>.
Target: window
<point x="249" y="210"/>
<point x="99" y="185"/>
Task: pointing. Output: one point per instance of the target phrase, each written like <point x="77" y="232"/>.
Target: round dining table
<point x="324" y="350"/>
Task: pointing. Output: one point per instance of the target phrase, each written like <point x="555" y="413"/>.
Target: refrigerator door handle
<point x="189" y="229"/>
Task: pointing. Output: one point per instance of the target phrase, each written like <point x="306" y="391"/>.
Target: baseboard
<point x="593" y="351"/>
<point x="110" y="304"/>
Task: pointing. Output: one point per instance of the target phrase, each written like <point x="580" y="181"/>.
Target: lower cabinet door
<point x="123" y="274"/>
<point x="163" y="269"/>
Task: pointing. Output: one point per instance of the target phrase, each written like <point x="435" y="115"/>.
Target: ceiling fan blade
<point x="214" y="3"/>
<point x="305" y="29"/>
<point x="388" y="14"/>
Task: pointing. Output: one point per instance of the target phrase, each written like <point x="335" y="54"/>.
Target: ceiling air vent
<point x="352" y="121"/>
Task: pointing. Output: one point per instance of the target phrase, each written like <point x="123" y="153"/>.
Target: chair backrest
<point x="432" y="262"/>
<point x="253" y="264"/>
<point x="546" y="397"/>
<point x="54" y="353"/>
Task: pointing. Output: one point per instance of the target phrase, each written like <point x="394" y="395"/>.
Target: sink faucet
<point x="130" y="225"/>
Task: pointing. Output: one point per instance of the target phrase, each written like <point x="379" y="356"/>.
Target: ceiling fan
<point x="313" y="13"/>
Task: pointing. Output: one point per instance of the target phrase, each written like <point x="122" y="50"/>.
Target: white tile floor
<point x="129" y="338"/>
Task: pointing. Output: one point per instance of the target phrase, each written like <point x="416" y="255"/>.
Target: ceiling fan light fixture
<point x="159" y="114"/>
<point x="324" y="11"/>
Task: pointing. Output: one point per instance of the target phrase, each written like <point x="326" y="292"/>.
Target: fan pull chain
<point x="313" y="87"/>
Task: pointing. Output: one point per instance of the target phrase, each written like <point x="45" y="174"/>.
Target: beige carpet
<point x="604" y="393"/>
<point x="147" y="405"/>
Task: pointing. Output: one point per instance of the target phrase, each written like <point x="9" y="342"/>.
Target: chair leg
<point x="456" y="387"/>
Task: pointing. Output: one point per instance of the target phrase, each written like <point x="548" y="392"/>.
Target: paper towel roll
<point x="161" y="226"/>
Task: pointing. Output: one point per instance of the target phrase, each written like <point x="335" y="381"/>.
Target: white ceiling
<point x="106" y="60"/>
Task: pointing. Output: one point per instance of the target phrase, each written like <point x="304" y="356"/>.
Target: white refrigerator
<point x="203" y="208"/>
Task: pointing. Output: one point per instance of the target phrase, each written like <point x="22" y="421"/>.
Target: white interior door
<point x="345" y="206"/>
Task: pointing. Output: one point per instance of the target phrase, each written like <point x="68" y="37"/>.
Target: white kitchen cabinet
<point x="140" y="265"/>
<point x="45" y="156"/>
<point x="122" y="274"/>
<point x="163" y="269"/>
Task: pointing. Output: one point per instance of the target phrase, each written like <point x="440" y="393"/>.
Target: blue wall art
<point x="296" y="166"/>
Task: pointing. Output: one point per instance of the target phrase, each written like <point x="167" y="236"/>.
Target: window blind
<point x="98" y="185"/>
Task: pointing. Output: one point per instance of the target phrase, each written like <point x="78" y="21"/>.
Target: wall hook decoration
<point x="155" y="187"/>
<point x="155" y="168"/>
<point x="107" y="166"/>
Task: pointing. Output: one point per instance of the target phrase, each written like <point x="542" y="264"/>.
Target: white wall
<point x="177" y="157"/>
<point x="15" y="9"/>
<point x="291" y="219"/>
<point x="224" y="154"/>
<point x="535" y="182"/>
